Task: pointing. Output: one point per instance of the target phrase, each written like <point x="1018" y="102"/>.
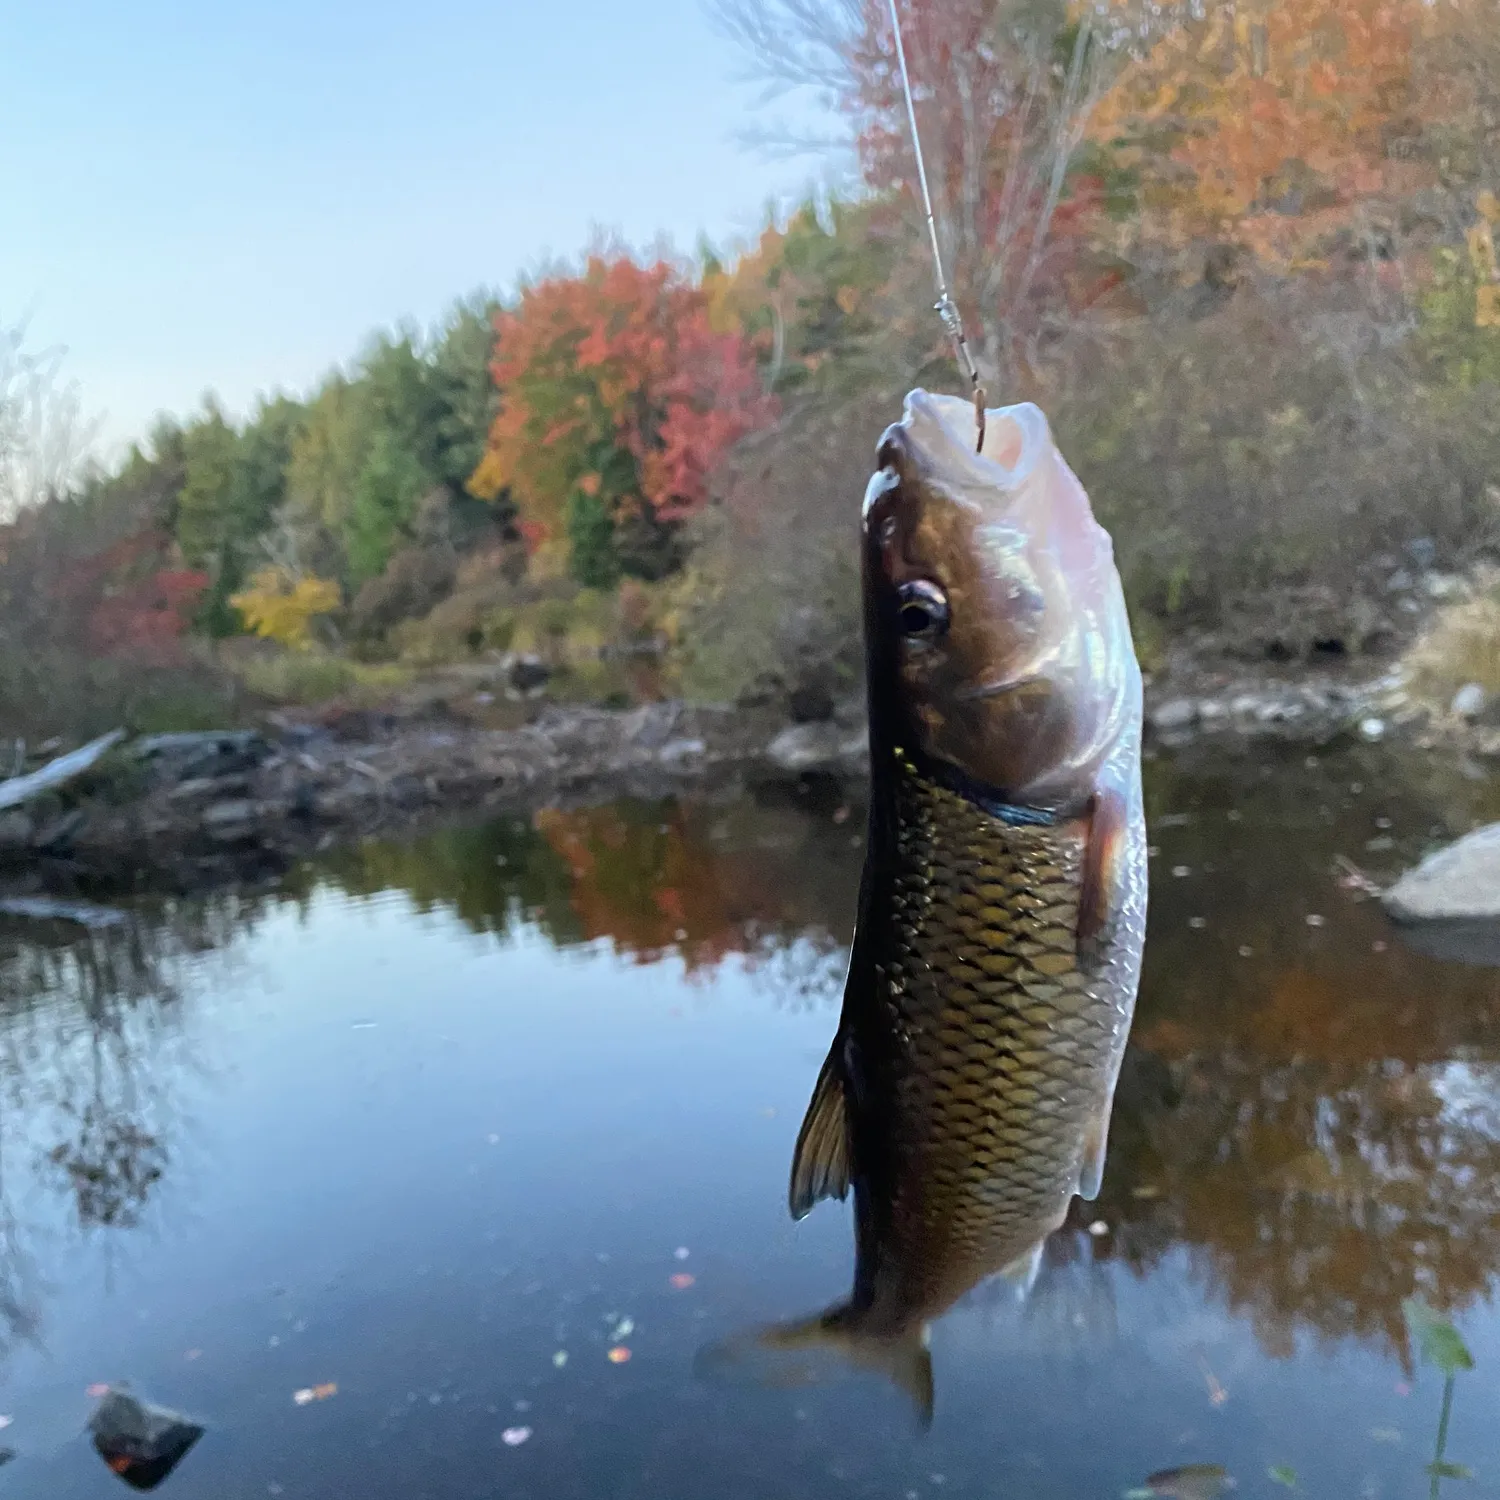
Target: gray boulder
<point x="1459" y="882"/>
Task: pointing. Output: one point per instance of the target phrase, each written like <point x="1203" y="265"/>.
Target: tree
<point x="617" y="400"/>
<point x="1283" y="128"/>
<point x="281" y="606"/>
<point x="44" y="437"/>
<point x="386" y="495"/>
<point x="1004" y="90"/>
<point x="327" y="457"/>
<point x="467" y="399"/>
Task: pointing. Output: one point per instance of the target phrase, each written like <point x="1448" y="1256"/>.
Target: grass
<point x="309" y="677"/>
<point x="1462" y="645"/>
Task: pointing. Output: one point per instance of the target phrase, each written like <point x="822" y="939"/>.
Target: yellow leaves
<point x="1486" y="264"/>
<point x="281" y="607"/>
<point x="490" y="478"/>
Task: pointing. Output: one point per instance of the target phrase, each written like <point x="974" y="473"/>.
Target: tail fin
<point x="794" y="1354"/>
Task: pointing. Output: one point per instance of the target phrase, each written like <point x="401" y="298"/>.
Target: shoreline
<point x="183" y="812"/>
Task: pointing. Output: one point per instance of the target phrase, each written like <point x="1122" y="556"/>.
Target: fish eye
<point x="922" y="611"/>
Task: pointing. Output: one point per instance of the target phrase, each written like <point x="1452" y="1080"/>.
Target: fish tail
<point x="789" y="1354"/>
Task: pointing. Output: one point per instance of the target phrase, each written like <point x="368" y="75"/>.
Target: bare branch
<point x="44" y="437"/>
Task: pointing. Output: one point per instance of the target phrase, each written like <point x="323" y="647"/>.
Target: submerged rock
<point x="1469" y="701"/>
<point x="140" y="1442"/>
<point x="1460" y="882"/>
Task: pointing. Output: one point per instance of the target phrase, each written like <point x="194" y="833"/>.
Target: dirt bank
<point x="182" y="811"/>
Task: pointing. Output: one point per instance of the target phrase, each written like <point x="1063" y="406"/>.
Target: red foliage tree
<point x="618" y="399"/>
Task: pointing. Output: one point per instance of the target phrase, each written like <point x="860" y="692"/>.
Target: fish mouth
<point x="935" y="433"/>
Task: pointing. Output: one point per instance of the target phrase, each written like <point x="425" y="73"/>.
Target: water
<point x="444" y="1124"/>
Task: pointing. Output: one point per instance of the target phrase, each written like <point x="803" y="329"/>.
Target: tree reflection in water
<point x="1308" y="1111"/>
<point x="91" y="1053"/>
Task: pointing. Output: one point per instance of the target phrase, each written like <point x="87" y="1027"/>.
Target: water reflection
<point x="1307" y="1130"/>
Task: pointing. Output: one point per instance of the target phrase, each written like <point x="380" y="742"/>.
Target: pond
<point x="429" y="1172"/>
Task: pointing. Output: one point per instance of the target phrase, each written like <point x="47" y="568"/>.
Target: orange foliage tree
<point x="1278" y="126"/>
<point x="618" y="399"/>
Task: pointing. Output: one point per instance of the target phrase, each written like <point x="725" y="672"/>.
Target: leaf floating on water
<point x="559" y="1359"/>
<point x="310" y="1393"/>
<point x="98" y="1389"/>
<point x="682" y="1280"/>
<point x="1386" y="1434"/>
<point x="681" y="1253"/>
<point x="1282" y="1474"/>
<point x="1191" y="1482"/>
<point x="623" y="1329"/>
<point x="513" y="1437"/>
<point x="1450" y="1471"/>
<point x="619" y="1355"/>
<point x="1436" y="1338"/>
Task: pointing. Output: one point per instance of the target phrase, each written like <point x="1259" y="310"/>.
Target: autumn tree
<point x="1004" y="91"/>
<point x="1288" y="130"/>
<point x="617" y="400"/>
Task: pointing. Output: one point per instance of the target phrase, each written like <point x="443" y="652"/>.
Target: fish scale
<point x="1008" y="1041"/>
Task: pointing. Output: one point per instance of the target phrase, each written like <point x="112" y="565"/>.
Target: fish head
<point x="996" y="633"/>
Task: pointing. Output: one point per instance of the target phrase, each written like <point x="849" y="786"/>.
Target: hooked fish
<point x="967" y="1094"/>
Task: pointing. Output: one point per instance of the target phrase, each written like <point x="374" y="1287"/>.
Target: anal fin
<point x="820" y="1164"/>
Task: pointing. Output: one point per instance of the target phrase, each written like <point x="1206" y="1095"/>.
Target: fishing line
<point x="945" y="306"/>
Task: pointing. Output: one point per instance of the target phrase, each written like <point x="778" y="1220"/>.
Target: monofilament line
<point x="946" y="309"/>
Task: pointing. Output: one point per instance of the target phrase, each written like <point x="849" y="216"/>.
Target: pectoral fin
<point x="1109" y="827"/>
<point x="820" y="1164"/>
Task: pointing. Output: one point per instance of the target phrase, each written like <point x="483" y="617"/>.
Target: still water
<point x="457" y="1126"/>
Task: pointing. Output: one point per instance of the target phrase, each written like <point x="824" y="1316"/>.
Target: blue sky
<point x="232" y="196"/>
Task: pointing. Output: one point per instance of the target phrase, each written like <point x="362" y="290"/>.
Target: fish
<point x="966" y="1096"/>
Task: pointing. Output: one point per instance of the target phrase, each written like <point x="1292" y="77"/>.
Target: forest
<point x="1242" y="253"/>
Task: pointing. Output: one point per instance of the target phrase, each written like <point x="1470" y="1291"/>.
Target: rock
<point x="808" y="747"/>
<point x="528" y="674"/>
<point x="1175" y="713"/>
<point x="140" y="1442"/>
<point x="56" y="835"/>
<point x="810" y="703"/>
<point x="1399" y="581"/>
<point x="676" y="751"/>
<point x="1461" y="881"/>
<point x="1372" y="729"/>
<point x="225" y="820"/>
<point x="1212" y="711"/>
<point x="1469" y="702"/>
<point x="16" y="830"/>
<point x="215" y="753"/>
<point x="1443" y="586"/>
<point x="209" y="786"/>
<point x="1422" y="550"/>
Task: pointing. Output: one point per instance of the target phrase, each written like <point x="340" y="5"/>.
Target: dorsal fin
<point x="820" y="1164"/>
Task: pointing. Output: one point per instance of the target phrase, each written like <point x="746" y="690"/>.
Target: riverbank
<point x="179" y="812"/>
